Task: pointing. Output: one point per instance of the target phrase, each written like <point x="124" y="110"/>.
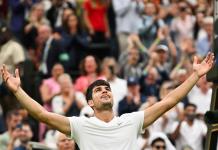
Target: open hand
<point x="203" y="67"/>
<point x="12" y="82"/>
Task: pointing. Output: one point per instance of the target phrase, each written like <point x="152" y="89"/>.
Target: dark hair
<point x="191" y="105"/>
<point x="11" y="113"/>
<point x="93" y="85"/>
<point x="157" y="140"/>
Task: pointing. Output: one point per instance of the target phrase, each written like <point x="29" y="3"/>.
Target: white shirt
<point x="125" y="11"/>
<point x="201" y="100"/>
<point x="57" y="102"/>
<point x="190" y="135"/>
<point x="119" y="134"/>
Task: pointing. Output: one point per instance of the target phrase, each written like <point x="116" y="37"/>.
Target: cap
<point x="162" y="48"/>
<point x="132" y="81"/>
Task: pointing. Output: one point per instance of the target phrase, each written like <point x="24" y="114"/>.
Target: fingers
<point x="212" y="60"/>
<point x="195" y="60"/>
<point x="210" y="57"/>
<point x="5" y="74"/>
<point x="16" y="73"/>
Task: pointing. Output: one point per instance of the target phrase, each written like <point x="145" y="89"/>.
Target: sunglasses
<point x="160" y="147"/>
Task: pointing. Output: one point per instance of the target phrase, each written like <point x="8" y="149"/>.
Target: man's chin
<point x="107" y="106"/>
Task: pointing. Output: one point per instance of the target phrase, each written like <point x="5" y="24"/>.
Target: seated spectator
<point x="132" y="101"/>
<point x="65" y="143"/>
<point x="13" y="118"/>
<point x="69" y="102"/>
<point x="90" y="71"/>
<point x="150" y="83"/>
<point x="50" y="87"/>
<point x="24" y="134"/>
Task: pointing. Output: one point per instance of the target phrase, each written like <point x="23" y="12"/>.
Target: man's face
<point x="133" y="56"/>
<point x="25" y="134"/>
<point x="14" y="120"/>
<point x="159" y="145"/>
<point x="190" y="113"/>
<point x="102" y="98"/>
<point x="65" y="143"/>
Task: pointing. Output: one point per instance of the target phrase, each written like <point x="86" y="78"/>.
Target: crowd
<point x="143" y="48"/>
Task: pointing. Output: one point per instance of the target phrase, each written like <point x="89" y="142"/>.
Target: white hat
<point x="162" y="47"/>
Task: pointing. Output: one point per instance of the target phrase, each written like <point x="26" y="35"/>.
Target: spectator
<point x="204" y="43"/>
<point x="69" y="102"/>
<point x="125" y="10"/>
<point x="159" y="141"/>
<point x="96" y="21"/>
<point x="50" y="87"/>
<point x="149" y="83"/>
<point x="51" y="50"/>
<point x="24" y="134"/>
<point x="18" y="10"/>
<point x="189" y="131"/>
<point x="90" y="71"/>
<point x="35" y="19"/>
<point x="150" y="23"/>
<point x="118" y="85"/>
<point x="95" y="16"/>
<point x="74" y="42"/>
<point x="132" y="66"/>
<point x="183" y="25"/>
<point x="201" y="95"/>
<point x="64" y="143"/>
<point x="132" y="101"/>
<point x="13" y="118"/>
<point x="54" y="14"/>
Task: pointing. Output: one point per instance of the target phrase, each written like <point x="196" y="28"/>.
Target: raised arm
<point x="199" y="69"/>
<point x="58" y="122"/>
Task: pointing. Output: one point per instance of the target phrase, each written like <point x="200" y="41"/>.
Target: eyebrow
<point x="106" y="87"/>
<point x="97" y="88"/>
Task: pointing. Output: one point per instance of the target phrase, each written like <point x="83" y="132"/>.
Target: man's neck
<point x="106" y="115"/>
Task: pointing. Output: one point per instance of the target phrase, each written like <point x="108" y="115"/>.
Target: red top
<point x="96" y="15"/>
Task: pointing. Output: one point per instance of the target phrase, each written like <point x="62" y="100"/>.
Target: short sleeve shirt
<point x="119" y="134"/>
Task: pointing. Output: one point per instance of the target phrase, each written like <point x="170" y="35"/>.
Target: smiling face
<point x="102" y="98"/>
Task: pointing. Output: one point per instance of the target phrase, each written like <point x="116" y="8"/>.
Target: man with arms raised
<point x="105" y="130"/>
